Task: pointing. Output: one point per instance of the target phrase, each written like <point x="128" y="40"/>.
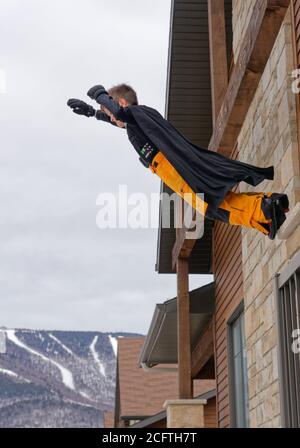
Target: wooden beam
<point x="208" y="370"/>
<point x="218" y="54"/>
<point x="183" y="246"/>
<point x="260" y="36"/>
<point x="203" y="351"/>
<point x="185" y="383"/>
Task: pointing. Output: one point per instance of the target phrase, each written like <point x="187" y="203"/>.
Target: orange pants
<point x="244" y="208"/>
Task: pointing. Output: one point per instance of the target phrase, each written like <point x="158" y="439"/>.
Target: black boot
<point x="273" y="208"/>
<point x="265" y="225"/>
<point x="282" y="200"/>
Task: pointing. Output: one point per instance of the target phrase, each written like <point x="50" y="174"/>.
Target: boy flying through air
<point x="187" y="168"/>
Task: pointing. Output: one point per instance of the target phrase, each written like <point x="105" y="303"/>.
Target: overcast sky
<point x="58" y="269"/>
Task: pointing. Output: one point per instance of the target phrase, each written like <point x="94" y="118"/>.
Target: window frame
<point x="237" y="314"/>
<point x="289" y="405"/>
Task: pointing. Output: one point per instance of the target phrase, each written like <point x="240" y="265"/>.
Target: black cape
<point x="205" y="171"/>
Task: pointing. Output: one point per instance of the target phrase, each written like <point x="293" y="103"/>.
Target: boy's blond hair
<point x="124" y="91"/>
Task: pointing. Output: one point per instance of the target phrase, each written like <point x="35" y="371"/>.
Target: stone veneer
<point x="268" y="137"/>
<point x="185" y="413"/>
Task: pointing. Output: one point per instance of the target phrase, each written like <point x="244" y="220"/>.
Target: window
<point x="237" y="363"/>
<point x="287" y="291"/>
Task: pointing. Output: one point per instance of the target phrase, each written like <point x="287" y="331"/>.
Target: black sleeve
<point x="103" y="117"/>
<point x="120" y="113"/>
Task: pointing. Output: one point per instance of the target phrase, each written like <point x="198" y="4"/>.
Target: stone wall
<point x="268" y="137"/>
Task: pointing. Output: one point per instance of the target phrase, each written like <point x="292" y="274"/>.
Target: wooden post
<point x="218" y="54"/>
<point x="185" y="382"/>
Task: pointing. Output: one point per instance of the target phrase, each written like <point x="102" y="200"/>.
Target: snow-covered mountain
<point x="56" y="378"/>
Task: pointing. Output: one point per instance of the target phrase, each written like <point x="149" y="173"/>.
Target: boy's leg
<point x="246" y="209"/>
<point x="236" y="209"/>
<point x="168" y="174"/>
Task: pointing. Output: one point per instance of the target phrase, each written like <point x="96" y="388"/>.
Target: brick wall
<point x="268" y="137"/>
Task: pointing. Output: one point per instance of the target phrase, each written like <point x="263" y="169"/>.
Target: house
<point x="108" y="419"/>
<point x="140" y="394"/>
<point x="209" y="417"/>
<point x="231" y="88"/>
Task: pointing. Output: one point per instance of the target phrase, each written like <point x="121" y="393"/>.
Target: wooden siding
<point x="210" y="415"/>
<point x="188" y="102"/>
<point x="203" y="351"/>
<point x="160" y="424"/>
<point x="227" y="249"/>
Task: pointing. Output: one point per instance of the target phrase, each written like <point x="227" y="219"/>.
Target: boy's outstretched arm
<point x="81" y="108"/>
<point x="99" y="94"/>
<point x="104" y="117"/>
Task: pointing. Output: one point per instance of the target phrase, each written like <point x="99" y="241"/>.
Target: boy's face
<point x="122" y="102"/>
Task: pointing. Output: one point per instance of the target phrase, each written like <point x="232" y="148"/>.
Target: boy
<point x="187" y="168"/>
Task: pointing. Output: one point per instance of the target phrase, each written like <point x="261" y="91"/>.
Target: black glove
<point x="81" y="108"/>
<point x="95" y="92"/>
